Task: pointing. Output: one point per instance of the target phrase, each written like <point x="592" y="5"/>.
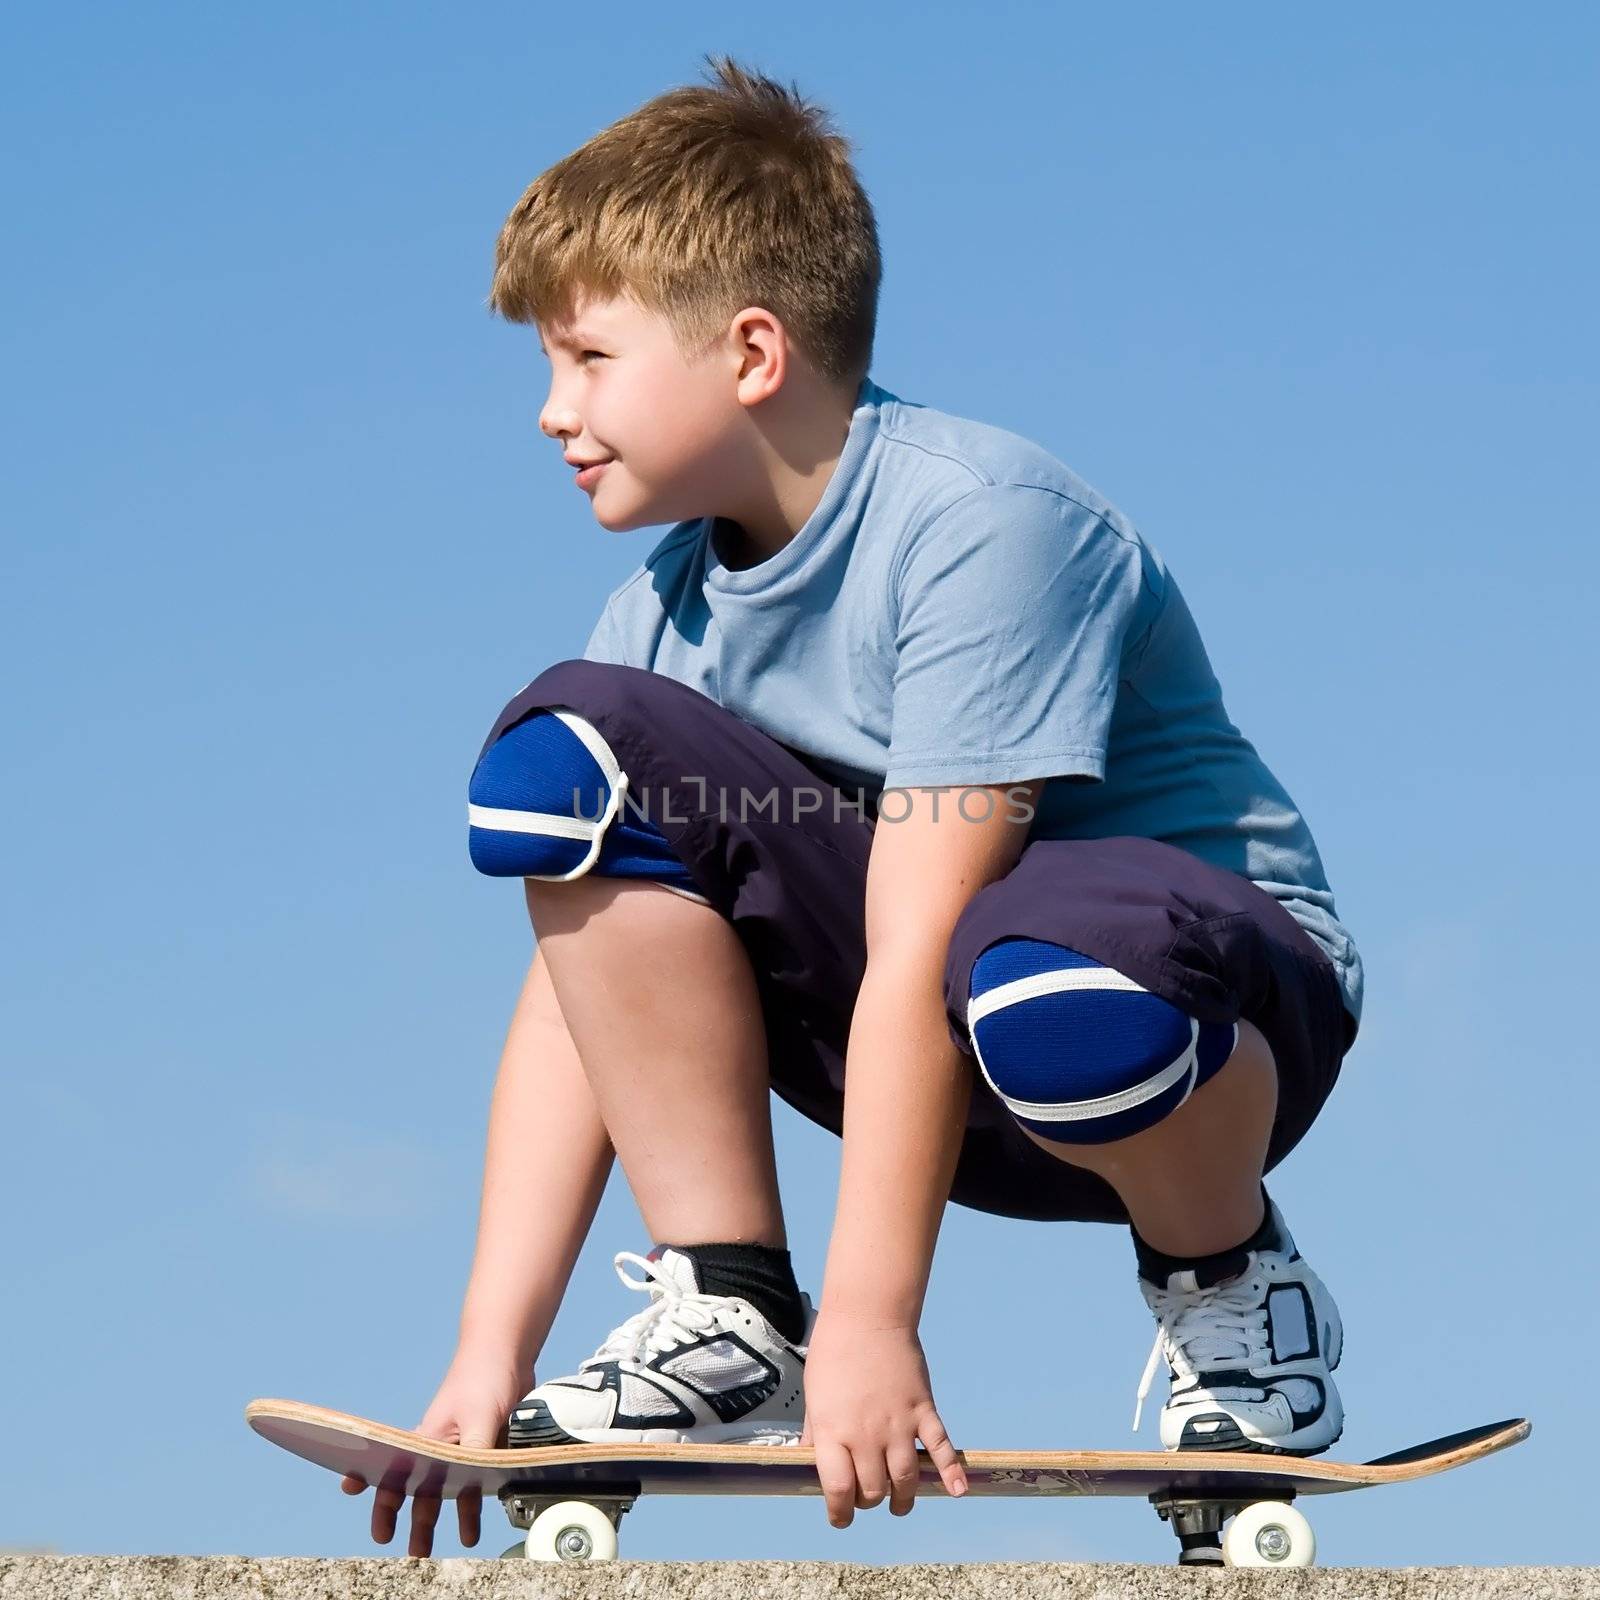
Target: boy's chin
<point x="626" y="519"/>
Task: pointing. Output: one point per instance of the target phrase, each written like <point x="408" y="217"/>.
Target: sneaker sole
<point x="1237" y="1441"/>
<point x="542" y="1430"/>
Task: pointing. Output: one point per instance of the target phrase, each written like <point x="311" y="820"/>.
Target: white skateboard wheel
<point x="572" y="1531"/>
<point x="1269" y="1534"/>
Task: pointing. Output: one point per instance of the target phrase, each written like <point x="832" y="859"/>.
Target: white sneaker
<point x="690" y="1368"/>
<point x="1250" y="1358"/>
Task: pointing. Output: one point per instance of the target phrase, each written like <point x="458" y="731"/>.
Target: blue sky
<point x="1309" y="296"/>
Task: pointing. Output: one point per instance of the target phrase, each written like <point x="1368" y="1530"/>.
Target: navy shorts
<point x="782" y="853"/>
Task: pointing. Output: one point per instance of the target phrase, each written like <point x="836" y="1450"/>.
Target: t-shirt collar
<point x="863" y="429"/>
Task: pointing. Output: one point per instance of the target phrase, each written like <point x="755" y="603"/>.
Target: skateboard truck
<point x="1198" y="1525"/>
<point x="567" y="1529"/>
<point x="1263" y="1533"/>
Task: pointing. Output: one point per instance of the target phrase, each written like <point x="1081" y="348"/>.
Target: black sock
<point x="1156" y="1267"/>
<point x="754" y="1272"/>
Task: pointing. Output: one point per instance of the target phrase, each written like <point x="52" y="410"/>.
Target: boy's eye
<point x="587" y="353"/>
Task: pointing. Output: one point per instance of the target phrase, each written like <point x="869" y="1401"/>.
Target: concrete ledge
<point x="301" y="1578"/>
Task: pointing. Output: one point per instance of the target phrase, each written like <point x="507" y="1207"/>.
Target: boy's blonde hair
<point x="705" y="200"/>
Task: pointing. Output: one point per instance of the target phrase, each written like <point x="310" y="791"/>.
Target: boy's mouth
<point x="588" y="475"/>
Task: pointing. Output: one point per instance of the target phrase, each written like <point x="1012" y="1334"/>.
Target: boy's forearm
<point x="545" y="1169"/>
<point x="907" y="1089"/>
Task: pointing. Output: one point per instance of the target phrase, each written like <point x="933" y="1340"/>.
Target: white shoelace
<point x="672" y="1317"/>
<point x="1196" y="1327"/>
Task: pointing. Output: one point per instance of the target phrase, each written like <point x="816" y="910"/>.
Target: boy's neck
<point x="794" y="469"/>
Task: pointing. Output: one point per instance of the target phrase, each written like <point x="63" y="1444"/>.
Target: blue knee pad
<point x="547" y="800"/>
<point x="1079" y="1053"/>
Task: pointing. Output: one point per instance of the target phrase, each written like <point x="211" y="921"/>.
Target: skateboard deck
<point x="571" y="1497"/>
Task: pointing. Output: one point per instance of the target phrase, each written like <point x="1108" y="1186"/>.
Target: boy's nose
<point x="557" y="423"/>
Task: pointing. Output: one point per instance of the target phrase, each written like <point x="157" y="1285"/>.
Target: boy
<point x="918" y="736"/>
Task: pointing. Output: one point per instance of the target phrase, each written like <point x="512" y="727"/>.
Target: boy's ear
<point x="759" y="344"/>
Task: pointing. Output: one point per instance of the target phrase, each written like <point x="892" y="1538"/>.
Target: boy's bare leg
<point x="1192" y="1183"/>
<point x="661" y="1002"/>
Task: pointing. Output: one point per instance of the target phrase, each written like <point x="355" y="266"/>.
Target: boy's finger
<point x="945" y="1455"/>
<point x="386" y="1505"/>
<point x="469" y="1514"/>
<point x="905" y="1471"/>
<point x="836" y="1472"/>
<point x="872" y="1479"/>
<point x="469" y="1503"/>
<point x="424" y="1514"/>
<point x="351" y="1484"/>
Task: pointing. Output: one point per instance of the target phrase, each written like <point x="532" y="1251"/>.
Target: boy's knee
<point x="547" y="800"/>
<point x="1079" y="1053"/>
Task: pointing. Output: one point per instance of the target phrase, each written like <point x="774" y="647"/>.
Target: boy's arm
<point x="906" y="1092"/>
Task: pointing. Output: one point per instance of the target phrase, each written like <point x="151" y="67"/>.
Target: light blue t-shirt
<point x="961" y="608"/>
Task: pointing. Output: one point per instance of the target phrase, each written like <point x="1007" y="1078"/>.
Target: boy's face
<point x="621" y="393"/>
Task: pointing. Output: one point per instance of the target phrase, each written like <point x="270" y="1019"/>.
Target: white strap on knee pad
<point x="551" y="825"/>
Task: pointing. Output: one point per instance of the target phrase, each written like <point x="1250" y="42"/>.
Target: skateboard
<point x="569" y="1499"/>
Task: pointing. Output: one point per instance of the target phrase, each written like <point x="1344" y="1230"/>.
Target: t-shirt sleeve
<point x="1016" y="608"/>
<point x="604" y="645"/>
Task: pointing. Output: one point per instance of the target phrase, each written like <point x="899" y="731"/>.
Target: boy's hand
<point x="868" y="1401"/>
<point x="471" y="1408"/>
